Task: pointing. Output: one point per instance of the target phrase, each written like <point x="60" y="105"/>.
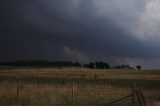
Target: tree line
<point x="44" y="63"/>
<point x="40" y="63"/>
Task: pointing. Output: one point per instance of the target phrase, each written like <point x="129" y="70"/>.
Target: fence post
<point x="73" y="94"/>
<point x="133" y="93"/>
<point x="17" y="92"/>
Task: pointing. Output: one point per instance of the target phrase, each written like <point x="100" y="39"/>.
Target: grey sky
<point x="116" y="31"/>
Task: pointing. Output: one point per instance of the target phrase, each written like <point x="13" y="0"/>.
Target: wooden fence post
<point x="133" y="93"/>
<point x="17" y="95"/>
<point x="73" y="94"/>
<point x="17" y="92"/>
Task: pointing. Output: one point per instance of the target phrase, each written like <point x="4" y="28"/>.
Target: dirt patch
<point x="155" y="103"/>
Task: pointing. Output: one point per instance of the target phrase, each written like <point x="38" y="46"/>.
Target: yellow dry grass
<point x="51" y="94"/>
<point x="77" y="72"/>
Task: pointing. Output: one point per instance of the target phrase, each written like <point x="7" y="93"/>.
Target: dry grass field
<point x="74" y="86"/>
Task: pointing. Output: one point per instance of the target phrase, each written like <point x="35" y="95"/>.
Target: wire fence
<point x="27" y="94"/>
<point x="137" y="95"/>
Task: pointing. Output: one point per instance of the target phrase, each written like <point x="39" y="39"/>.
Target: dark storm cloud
<point x="75" y="30"/>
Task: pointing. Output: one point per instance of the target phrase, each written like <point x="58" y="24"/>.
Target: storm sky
<point x="114" y="31"/>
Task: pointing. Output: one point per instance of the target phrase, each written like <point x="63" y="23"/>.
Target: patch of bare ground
<point x="154" y="103"/>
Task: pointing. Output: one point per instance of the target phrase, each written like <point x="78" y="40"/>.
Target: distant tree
<point x="101" y="65"/>
<point x="138" y="67"/>
<point x="106" y="65"/>
<point x="91" y="65"/>
<point x="123" y="67"/>
<point x="77" y="64"/>
<point x="86" y="65"/>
